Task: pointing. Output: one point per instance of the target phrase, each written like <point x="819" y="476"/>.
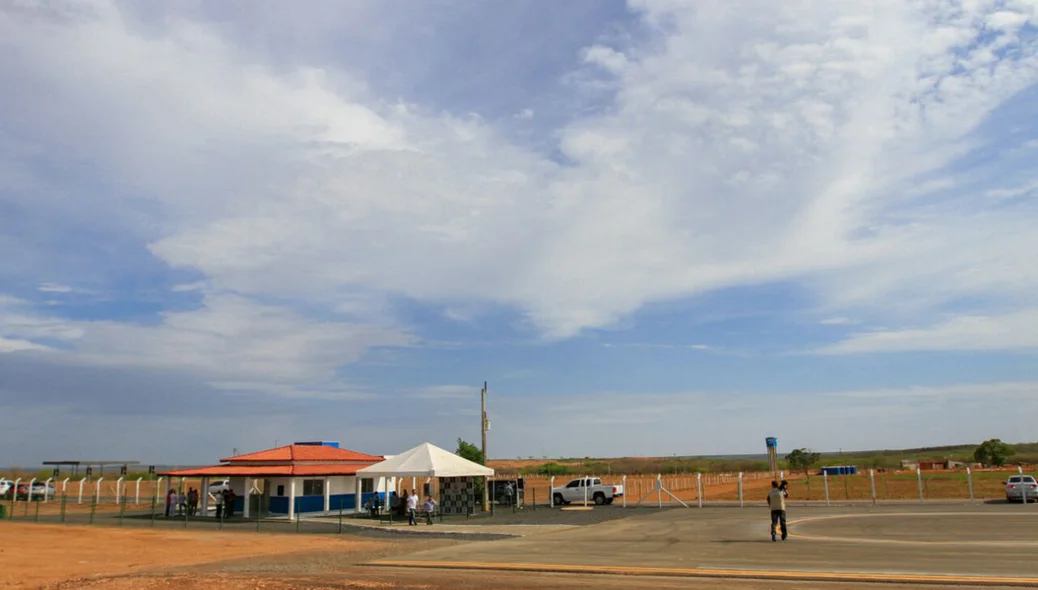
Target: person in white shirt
<point x="777" y="504"/>
<point x="412" y="508"/>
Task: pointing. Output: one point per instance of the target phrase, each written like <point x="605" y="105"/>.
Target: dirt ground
<point x="70" y="557"/>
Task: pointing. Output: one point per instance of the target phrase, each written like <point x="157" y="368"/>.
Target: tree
<point x="993" y="452"/>
<point x="802" y="459"/>
<point x="469" y="451"/>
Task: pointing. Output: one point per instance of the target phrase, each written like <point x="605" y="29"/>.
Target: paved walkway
<point x="967" y="545"/>
<point x="509" y="530"/>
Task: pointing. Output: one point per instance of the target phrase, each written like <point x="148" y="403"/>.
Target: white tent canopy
<point x="426" y="460"/>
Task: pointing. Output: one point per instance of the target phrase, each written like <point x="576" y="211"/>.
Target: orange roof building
<point x="301" y="477"/>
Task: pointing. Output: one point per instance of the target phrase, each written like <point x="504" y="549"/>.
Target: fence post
<point x="46" y="489"/>
<point x="137" y="495"/>
<point x="97" y="498"/>
<point x="64" y="500"/>
<point x="93" y="508"/>
<point x="825" y="482"/>
<point x="741" y="505"/>
<point x="659" y="491"/>
<point x="624" y="484"/>
<point x="919" y="481"/>
<point x="969" y="483"/>
<point x="551" y="492"/>
<point x="81" y="482"/>
<point x="118" y="488"/>
<point x="28" y="493"/>
<point x="872" y="483"/>
<point x="64" y="486"/>
<point x="699" y="489"/>
<point x="14" y="497"/>
<point x="585" y="482"/>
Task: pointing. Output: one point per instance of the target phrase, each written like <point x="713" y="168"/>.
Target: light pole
<point x="484" y="427"/>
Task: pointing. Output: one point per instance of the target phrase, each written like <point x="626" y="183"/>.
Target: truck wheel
<point x="558" y="500"/>
<point x="600" y="498"/>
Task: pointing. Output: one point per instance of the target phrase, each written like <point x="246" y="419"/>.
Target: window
<point x="367" y="486"/>
<point x="575" y="483"/>
<point x="313" y="487"/>
<point x="1014" y="479"/>
<point x="281" y="490"/>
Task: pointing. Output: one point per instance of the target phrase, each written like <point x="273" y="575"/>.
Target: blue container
<point x="772" y="442"/>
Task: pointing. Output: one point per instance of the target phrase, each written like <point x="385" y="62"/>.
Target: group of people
<point x="180" y="504"/>
<point x="409" y="502"/>
<point x="777" y="504"/>
<point x="186" y="504"/>
<point x="406" y="504"/>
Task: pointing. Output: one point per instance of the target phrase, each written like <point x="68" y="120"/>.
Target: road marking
<point x="803" y="576"/>
<point x="865" y="540"/>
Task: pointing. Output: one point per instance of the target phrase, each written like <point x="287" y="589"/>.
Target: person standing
<point x="777" y="505"/>
<point x="412" y="508"/>
<point x="192" y="501"/>
<point x="219" y="505"/>
<point x="170" y="502"/>
<point x="181" y="502"/>
<point x="430" y="507"/>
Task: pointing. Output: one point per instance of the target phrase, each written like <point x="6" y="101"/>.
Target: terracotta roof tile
<point x="304" y="453"/>
<point x="267" y="470"/>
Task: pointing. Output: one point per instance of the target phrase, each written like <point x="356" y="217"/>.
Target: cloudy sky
<point x="653" y="227"/>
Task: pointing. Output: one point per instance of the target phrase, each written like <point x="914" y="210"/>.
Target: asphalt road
<point x="971" y="544"/>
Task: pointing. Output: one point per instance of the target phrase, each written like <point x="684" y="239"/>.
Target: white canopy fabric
<point x="426" y="460"/>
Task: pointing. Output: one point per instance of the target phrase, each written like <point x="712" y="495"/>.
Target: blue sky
<point x="653" y="227"/>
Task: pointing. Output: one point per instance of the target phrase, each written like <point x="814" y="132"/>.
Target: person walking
<point x="170" y="502"/>
<point x="412" y="509"/>
<point x="777" y="505"/>
<point x="430" y="507"/>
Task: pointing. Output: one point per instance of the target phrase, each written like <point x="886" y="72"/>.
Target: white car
<point x="587" y="488"/>
<point x="6" y="486"/>
<point x="43" y="491"/>
<point x="1021" y="488"/>
<point x="218" y="487"/>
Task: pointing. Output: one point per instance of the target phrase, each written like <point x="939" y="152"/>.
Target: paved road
<point x="969" y="543"/>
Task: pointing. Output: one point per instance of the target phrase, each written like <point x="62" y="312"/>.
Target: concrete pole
<point x="551" y="492"/>
<point x="64" y="486"/>
<point x="137" y="493"/>
<point x="204" y="497"/>
<point x="585" y="490"/>
<point x="872" y="482"/>
<point x="98" y="490"/>
<point x="245" y="505"/>
<point x="46" y="489"/>
<point x="28" y="495"/>
<point x="740" y="490"/>
<point x="292" y="498"/>
<point x="825" y="483"/>
<point x="118" y="486"/>
<point x="919" y="482"/>
<point x="81" y="482"/>
<point x="357" y="494"/>
<point x="969" y="483"/>
<point x="158" y="486"/>
<point x="327" y="495"/>
<point x="659" y="491"/>
<point x="624" y="484"/>
<point x="699" y="489"/>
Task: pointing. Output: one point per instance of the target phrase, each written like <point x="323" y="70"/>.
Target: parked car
<point x="6" y="486"/>
<point x="590" y="488"/>
<point x="218" y="487"/>
<point x="1021" y="488"/>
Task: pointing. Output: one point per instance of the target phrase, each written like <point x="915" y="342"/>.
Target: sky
<point x="652" y="227"/>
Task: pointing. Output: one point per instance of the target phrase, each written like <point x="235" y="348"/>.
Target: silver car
<point x="1020" y="488"/>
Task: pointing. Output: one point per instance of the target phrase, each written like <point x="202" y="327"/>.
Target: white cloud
<point x="1014" y="331"/>
<point x="525" y="114"/>
<point x="753" y="142"/>
<point x="837" y="321"/>
<point x="54" y="288"/>
<point x="1017" y="191"/>
<point x="447" y="392"/>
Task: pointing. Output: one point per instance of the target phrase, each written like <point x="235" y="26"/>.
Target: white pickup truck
<point x="587" y="488"/>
